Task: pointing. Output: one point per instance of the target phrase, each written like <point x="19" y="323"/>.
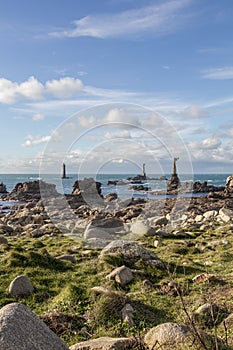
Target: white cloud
<point x="160" y="19"/>
<point x="221" y="73"/>
<point x="194" y="112"/>
<point x="32" y="89"/>
<point x="11" y="92"/>
<point x="211" y="143"/>
<point x="38" y="117"/>
<point x="120" y="116"/>
<point x="87" y="122"/>
<point x="64" y="87"/>
<point x="124" y="134"/>
<point x="32" y="141"/>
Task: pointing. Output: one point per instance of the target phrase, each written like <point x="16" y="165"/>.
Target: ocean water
<point x="66" y="185"/>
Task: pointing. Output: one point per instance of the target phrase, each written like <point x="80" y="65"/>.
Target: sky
<point x="107" y="85"/>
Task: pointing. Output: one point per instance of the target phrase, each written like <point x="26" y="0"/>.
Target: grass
<point x="63" y="297"/>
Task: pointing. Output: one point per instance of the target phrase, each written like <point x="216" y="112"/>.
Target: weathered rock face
<point x="203" y="187"/>
<point x="3" y="188"/>
<point x="208" y="314"/>
<point x="22" y="329"/>
<point x="87" y="185"/>
<point x="122" y="275"/>
<point x="229" y="185"/>
<point x="173" y="183"/>
<point x="105" y="343"/>
<point x="21" y="286"/>
<point x="31" y="190"/>
<point x="88" y="190"/>
<point x="132" y="252"/>
<point x="169" y="336"/>
<point x="140" y="229"/>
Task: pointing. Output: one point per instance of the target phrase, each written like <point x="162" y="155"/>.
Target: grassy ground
<point x="63" y="298"/>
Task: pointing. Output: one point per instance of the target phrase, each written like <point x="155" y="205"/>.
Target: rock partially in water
<point x="31" y="190"/>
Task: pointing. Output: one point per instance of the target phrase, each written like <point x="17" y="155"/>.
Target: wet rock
<point x="31" y="190"/>
<point x="3" y="188"/>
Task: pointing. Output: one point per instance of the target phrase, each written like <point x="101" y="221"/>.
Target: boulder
<point x="227" y="323"/>
<point x="132" y="252"/>
<point x="21" y="329"/>
<point x="208" y="314"/>
<point x="31" y="190"/>
<point x="127" y="314"/>
<point x="67" y="257"/>
<point x="109" y="224"/>
<point x="3" y="240"/>
<point x="97" y="233"/>
<point x="3" y="188"/>
<point x="6" y="230"/>
<point x="110" y="197"/>
<point x="21" y="286"/>
<point x="203" y="277"/>
<point x="140" y="229"/>
<point x="105" y="343"/>
<point x="169" y="336"/>
<point x="122" y="275"/>
<point x="88" y="191"/>
<point x="229" y="185"/>
<point x="225" y="214"/>
<point x="210" y="214"/>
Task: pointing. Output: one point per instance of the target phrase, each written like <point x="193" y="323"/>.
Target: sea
<point x="123" y="191"/>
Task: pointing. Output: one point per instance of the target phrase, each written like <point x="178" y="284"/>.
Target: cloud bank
<point x="32" y="89"/>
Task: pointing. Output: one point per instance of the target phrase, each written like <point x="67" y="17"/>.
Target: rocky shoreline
<point x="119" y="228"/>
<point x="44" y="206"/>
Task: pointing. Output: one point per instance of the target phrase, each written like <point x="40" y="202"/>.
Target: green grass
<point x="63" y="296"/>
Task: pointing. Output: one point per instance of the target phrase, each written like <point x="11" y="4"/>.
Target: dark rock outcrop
<point x="89" y="191"/>
<point x="31" y="190"/>
<point x="3" y="188"/>
<point x="229" y="186"/>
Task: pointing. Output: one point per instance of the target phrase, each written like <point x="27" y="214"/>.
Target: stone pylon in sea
<point x="174" y="181"/>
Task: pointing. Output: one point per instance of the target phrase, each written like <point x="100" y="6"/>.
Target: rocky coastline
<point x="114" y="228"/>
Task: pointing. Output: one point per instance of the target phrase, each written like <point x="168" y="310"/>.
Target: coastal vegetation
<point x="64" y="299"/>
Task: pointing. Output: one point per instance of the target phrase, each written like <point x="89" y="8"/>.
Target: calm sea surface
<point x="65" y="185"/>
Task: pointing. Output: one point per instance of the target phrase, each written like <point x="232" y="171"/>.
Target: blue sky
<point x="171" y="60"/>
